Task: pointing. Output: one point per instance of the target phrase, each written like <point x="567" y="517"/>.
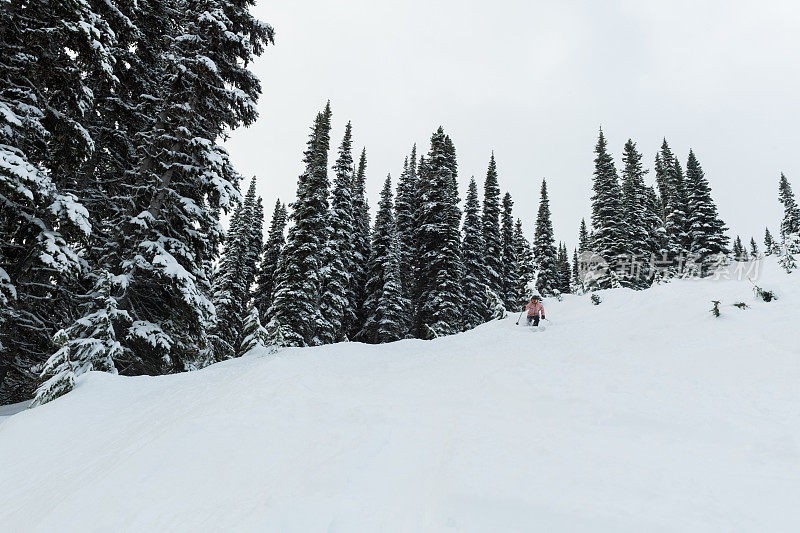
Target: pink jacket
<point x="535" y="308"/>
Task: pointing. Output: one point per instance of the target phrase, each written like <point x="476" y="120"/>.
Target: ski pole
<point x="520" y="317"/>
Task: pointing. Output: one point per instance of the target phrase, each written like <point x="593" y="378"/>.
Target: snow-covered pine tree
<point x="438" y="264"/>
<point x="584" y="243"/>
<point x="51" y="53"/>
<point x="564" y="270"/>
<point x="492" y="240"/>
<point x="634" y="202"/>
<point x="295" y="300"/>
<point x="356" y="293"/>
<point x="90" y="343"/>
<point x="254" y="335"/>
<point x="656" y="232"/>
<point x="476" y="307"/>
<point x="790" y="226"/>
<point x="739" y="251"/>
<point x="507" y="256"/>
<point x="753" y="248"/>
<point x="405" y="206"/>
<point x="707" y="231"/>
<point x="608" y="218"/>
<point x="770" y="246"/>
<point x="337" y="315"/>
<point x="791" y="212"/>
<point x="384" y="306"/>
<point x="235" y="276"/>
<point x="169" y="228"/>
<point x="544" y="248"/>
<point x="577" y="281"/>
<point x="265" y="278"/>
<point x="672" y="189"/>
<point x="525" y="266"/>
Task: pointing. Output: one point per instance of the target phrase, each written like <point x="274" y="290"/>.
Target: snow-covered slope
<point x="644" y="413"/>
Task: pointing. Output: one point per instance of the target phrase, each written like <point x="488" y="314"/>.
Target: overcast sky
<point x="533" y="80"/>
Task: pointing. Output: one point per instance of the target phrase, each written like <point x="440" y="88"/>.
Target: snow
<point x="643" y="413"/>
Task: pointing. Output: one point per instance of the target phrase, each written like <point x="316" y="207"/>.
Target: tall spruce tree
<point x="385" y="305"/>
<point x="236" y="273"/>
<point x="475" y="308"/>
<point x="265" y="280"/>
<point x="294" y="312"/>
<point x="577" y="281"/>
<point x="507" y="256"/>
<point x="584" y="243"/>
<point x="790" y="224"/>
<point x="492" y="240"/>
<point x="753" y="248"/>
<point x="405" y="207"/>
<point x="610" y="228"/>
<point x="53" y="54"/>
<point x="356" y="293"/>
<point x="672" y="189"/>
<point x="564" y="270"/>
<point x="634" y="202"/>
<point x="438" y="241"/>
<point x="158" y="187"/>
<point x="707" y="232"/>
<point x="544" y="249"/>
<point x="739" y="251"/>
<point x="525" y="266"/>
<point x="770" y="246"/>
<point x="338" y="316"/>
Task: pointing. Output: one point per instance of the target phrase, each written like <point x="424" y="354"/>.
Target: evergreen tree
<point x="405" y="207"/>
<point x="265" y="282"/>
<point x="51" y="53"/>
<point x="634" y="202"/>
<point x="525" y="266"/>
<point x="338" y="316"/>
<point x="254" y="335"/>
<point x="584" y="243"/>
<point x="438" y="241"/>
<point x="791" y="212"/>
<point x="707" y="231"/>
<point x="88" y="344"/>
<point x="475" y="308"/>
<point x="295" y="302"/>
<point x="360" y="245"/>
<point x="656" y="230"/>
<point x="507" y="256"/>
<point x="577" y="281"/>
<point x="564" y="270"/>
<point x="544" y="249"/>
<point x="753" y="248"/>
<point x="673" y="194"/>
<point x="608" y="220"/>
<point x="385" y="305"/>
<point x="235" y="276"/>
<point x="770" y="246"/>
<point x="739" y="251"/>
<point x="492" y="239"/>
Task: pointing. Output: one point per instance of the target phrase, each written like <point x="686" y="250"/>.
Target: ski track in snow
<point x="644" y="413"/>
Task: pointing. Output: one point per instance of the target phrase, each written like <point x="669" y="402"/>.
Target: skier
<point x="535" y="310"/>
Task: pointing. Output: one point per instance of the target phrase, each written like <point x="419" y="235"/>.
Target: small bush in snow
<point x="741" y="305"/>
<point x="715" y="309"/>
<point x="765" y="295"/>
<point x="596" y="300"/>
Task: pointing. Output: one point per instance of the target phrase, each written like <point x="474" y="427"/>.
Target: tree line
<point x="113" y="182"/>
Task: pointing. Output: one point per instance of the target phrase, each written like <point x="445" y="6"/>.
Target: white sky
<point x="533" y="81"/>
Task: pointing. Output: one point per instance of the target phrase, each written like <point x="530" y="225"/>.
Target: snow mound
<point x="643" y="413"/>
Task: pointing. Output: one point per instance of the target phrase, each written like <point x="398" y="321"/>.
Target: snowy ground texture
<point x="644" y="413"/>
